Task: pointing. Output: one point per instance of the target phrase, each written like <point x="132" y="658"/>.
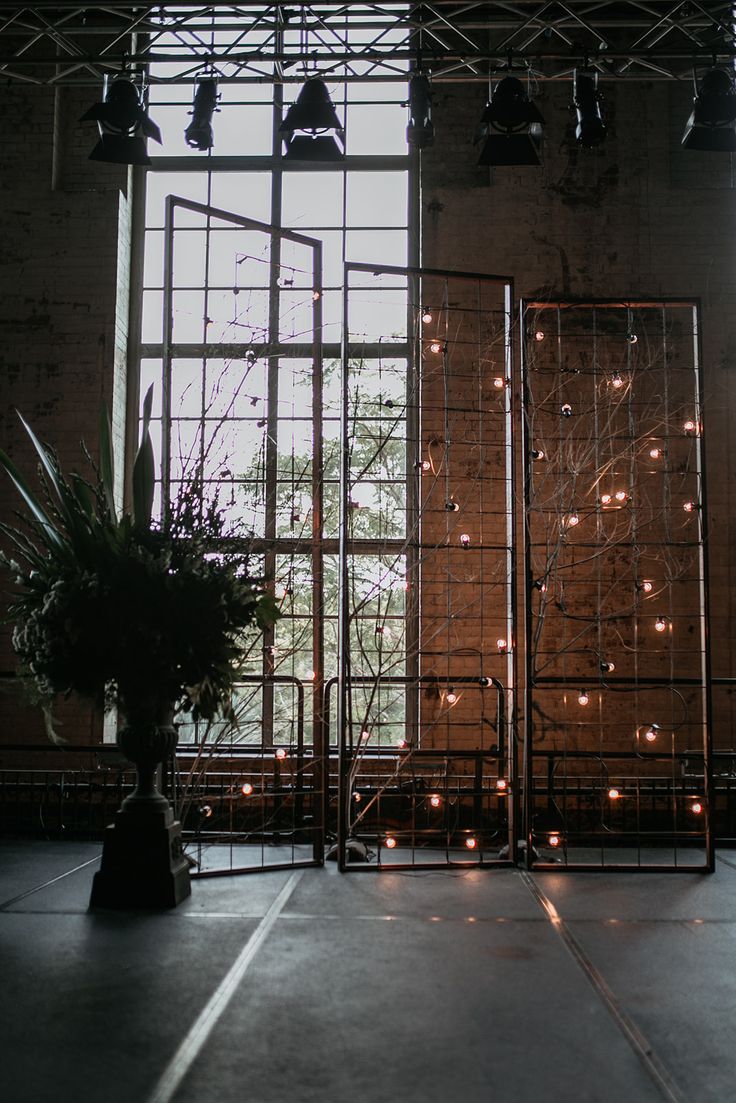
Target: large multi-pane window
<point x="240" y="340"/>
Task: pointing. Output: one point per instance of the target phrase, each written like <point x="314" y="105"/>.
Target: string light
<point x="435" y="800"/>
<point x="452" y="506"/>
<point x="656" y="453"/>
<point x="205" y="811"/>
<point x="650" y="734"/>
<point x="538" y="454"/>
<point x="622" y="496"/>
<point x="484" y="681"/>
<point x="607" y="667"/>
<point x="281" y="752"/>
<point x="471" y="842"/>
<point x="606" y="499"/>
<point x="573" y="520"/>
<point x="502" y="784"/>
<point x="617" y="381"/>
<point x="502" y="645"/>
<point x="451" y="696"/>
<point x="613" y="794"/>
<point x="554" y="840"/>
<point x="690" y="426"/>
<point x="499" y="383"/>
<point x="426" y="315"/>
<point x="539" y="335"/>
<point x="402" y="744"/>
<point x="566" y="409"/>
<point x="660" y="624"/>
<point x="583" y="698"/>
<point x="645" y="585"/>
<point x="696" y="807"/>
<point x="464" y="540"/>
<point x="435" y="346"/>
<point x="540" y="584"/>
<point x="690" y="507"/>
<point x="316" y="296"/>
<point x="364" y="736"/>
<point x="357" y="798"/>
<point x="425" y="465"/>
<point x="390" y="842"/>
<point x="632" y="338"/>
<point x="246" y="788"/>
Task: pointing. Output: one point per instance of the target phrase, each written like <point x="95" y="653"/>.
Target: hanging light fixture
<point x="311" y="128"/>
<point x="198" y="135"/>
<point x="123" y="123"/>
<point x="420" y="131"/>
<point x="590" y="129"/>
<point x="511" y="126"/>
<point x="712" y="124"/>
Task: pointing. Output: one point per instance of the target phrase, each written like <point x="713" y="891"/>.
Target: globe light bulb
<point x="426" y="315"/>
<point x="696" y="807"/>
<point x="613" y="794"/>
<point x="660" y="624"/>
<point x="205" y="811"/>
<point x="281" y="752"/>
<point x="451" y="697"/>
<point x="364" y="736"/>
<point x="471" y="842"/>
<point x="632" y="338"/>
<point x="539" y="335"/>
<point x="622" y="496"/>
<point x="435" y="800"/>
<point x="538" y="454"/>
<point x="573" y="520"/>
<point x="246" y="788"/>
<point x="435" y="346"/>
<point x="617" y="381"/>
<point x="554" y="840"/>
<point x="583" y="698"/>
<point x="656" y="453"/>
<point x="690" y="507"/>
<point x="645" y="584"/>
<point x="357" y="798"/>
<point x="452" y="506"/>
<point x="499" y="383"/>
<point x="650" y="734"/>
<point x="541" y="585"/>
<point x="402" y="744"/>
<point x="566" y="409"/>
<point x="464" y="540"/>
<point x="607" y="667"/>
<point x="690" y="426"/>
<point x="426" y="465"/>
<point x="502" y="645"/>
<point x="390" y="842"/>
<point x="605" y="499"/>
<point x="502" y="784"/>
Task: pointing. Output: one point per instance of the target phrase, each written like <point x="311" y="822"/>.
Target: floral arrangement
<point x="120" y="608"/>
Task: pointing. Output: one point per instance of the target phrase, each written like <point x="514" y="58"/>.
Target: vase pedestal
<point x="142" y="862"/>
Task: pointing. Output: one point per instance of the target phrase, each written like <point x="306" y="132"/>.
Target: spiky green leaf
<point x="107" y="461"/>
<point x="47" y="530"/>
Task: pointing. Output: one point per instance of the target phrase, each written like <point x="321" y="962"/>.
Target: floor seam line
<point x="651" y="1062"/>
<point x="29" y="892"/>
<point x="197" y="1035"/>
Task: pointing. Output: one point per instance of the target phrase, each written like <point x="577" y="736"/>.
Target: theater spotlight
<point x="198" y="135"/>
<point x="311" y="128"/>
<point x="712" y="124"/>
<point x="591" y="129"/>
<point x="420" y="131"/>
<point x="511" y="126"/>
<point x="123" y="124"/>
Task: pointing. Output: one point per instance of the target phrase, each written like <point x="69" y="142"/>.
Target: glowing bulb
<point x="502" y="784"/>
<point x="583" y="698"/>
<point x="621" y="496"/>
<point x="502" y="645"/>
<point x="573" y="520"/>
<point x="617" y="381"/>
<point x="315" y="296"/>
<point x="566" y="409"/>
<point x="690" y="507"/>
<point x="451" y="696"/>
<point x="402" y="744"/>
<point x="538" y="454"/>
<point x="690" y="426"/>
<point x="464" y="540"/>
<point x="426" y="315"/>
<point x="539" y="335"/>
<point x="613" y="794"/>
<point x="357" y="798"/>
<point x="605" y="499"/>
<point x="554" y="840"/>
<point x="246" y="788"/>
<point x="656" y="453"/>
<point x="696" y="807"/>
<point x="650" y="734"/>
<point x="311" y="676"/>
<point x="471" y="842"/>
<point x="426" y="465"/>
<point x="435" y="346"/>
<point x="607" y="667"/>
<point x="660" y="624"/>
<point x="541" y="585"/>
<point x="452" y="506"/>
<point x="205" y="811"/>
<point x="390" y="842"/>
<point x="435" y="800"/>
<point x="631" y="338"/>
<point x="645" y="585"/>
<point x="499" y="383"/>
<point x="281" y="752"/>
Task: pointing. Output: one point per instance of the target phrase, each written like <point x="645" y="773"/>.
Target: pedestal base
<point x="142" y="863"/>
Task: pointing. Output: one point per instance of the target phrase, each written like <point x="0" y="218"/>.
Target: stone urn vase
<point x="143" y="865"/>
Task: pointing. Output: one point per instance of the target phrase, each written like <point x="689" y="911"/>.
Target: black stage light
<point x="420" y="131"/>
<point x="511" y="126"/>
<point x="198" y="135"/>
<point x="123" y="124"/>
<point x="311" y="128"/>
<point x="591" y="129"/>
<point x="712" y="124"/>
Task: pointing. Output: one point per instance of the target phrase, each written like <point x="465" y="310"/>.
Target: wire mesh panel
<point x="617" y="671"/>
<point x="240" y="420"/>
<point x="427" y="772"/>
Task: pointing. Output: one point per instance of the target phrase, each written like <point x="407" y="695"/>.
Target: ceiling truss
<point x="59" y="43"/>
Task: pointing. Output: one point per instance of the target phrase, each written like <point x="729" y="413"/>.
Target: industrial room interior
<point x="422" y="313"/>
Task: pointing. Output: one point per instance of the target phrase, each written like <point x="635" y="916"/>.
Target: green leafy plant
<point x="123" y="609"/>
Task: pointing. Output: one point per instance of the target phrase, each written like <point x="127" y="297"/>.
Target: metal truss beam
<point x="64" y="43"/>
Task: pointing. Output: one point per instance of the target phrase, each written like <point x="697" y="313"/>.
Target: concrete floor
<point x="312" y="987"/>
